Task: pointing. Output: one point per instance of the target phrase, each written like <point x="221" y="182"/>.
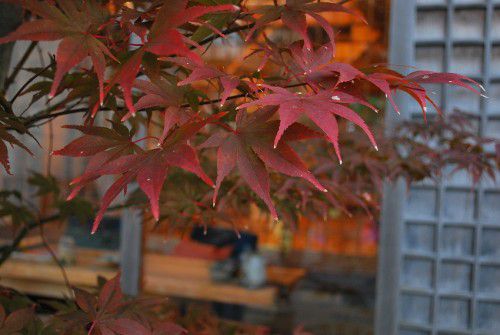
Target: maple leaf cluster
<point x="108" y="312"/>
<point x="146" y="68"/>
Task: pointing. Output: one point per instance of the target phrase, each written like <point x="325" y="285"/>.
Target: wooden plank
<point x="199" y="269"/>
<point x="50" y="273"/>
<point x="179" y="267"/>
<point x="49" y="290"/>
<point x="200" y="290"/>
<point x="46" y="280"/>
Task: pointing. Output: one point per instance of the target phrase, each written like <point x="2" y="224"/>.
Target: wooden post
<point x="131" y="251"/>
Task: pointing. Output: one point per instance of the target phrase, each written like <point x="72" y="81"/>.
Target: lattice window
<point x="444" y="239"/>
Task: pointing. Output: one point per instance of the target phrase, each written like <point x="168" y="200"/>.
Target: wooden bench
<point x="163" y="275"/>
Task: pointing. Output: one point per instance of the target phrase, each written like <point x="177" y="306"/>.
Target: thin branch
<point x="19" y="65"/>
<point x="36" y="75"/>
<point x="227" y="32"/>
<point x="30" y="122"/>
<point x="55" y="259"/>
<point x="6" y="251"/>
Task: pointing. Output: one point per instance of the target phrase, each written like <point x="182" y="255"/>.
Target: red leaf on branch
<point x="293" y="14"/>
<point x="162" y="95"/>
<point x="228" y="82"/>
<point x="76" y="27"/>
<point x="15" y="322"/>
<point x="322" y="108"/>
<point x="164" y="40"/>
<point x="250" y="149"/>
<point x="4" y="154"/>
<point x="149" y="168"/>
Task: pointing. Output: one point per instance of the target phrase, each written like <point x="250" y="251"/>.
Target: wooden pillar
<point x="131" y="244"/>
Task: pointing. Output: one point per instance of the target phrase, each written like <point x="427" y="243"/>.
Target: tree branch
<point x="227" y="32"/>
<point x="31" y="122"/>
<point x="6" y="251"/>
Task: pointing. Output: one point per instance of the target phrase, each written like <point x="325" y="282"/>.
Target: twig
<point x="36" y="75"/>
<point x="30" y="122"/>
<point x="6" y="251"/>
<point x="227" y="32"/>
<point x="56" y="260"/>
<point x="19" y="65"/>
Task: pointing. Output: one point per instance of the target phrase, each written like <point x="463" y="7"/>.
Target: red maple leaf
<point x="227" y="82"/>
<point x="317" y="69"/>
<point x="322" y="108"/>
<point x="149" y="168"/>
<point x="76" y="26"/>
<point x="4" y="154"/>
<point x="250" y="148"/>
<point x="15" y="322"/>
<point x="102" y="145"/>
<point x="161" y="94"/>
<point x="163" y="40"/>
<point x="293" y="15"/>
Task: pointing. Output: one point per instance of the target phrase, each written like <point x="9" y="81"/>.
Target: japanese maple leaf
<point x="77" y="28"/>
<point x="203" y="72"/>
<point x="250" y="149"/>
<point x="307" y="61"/>
<point x="322" y="108"/>
<point x="161" y="94"/>
<point x="102" y="145"/>
<point x="111" y="313"/>
<point x="271" y="52"/>
<point x="389" y="81"/>
<point x="319" y="71"/>
<point x="148" y="168"/>
<point x="5" y="136"/>
<point x="99" y="310"/>
<point x="15" y="322"/>
<point x="293" y="15"/>
<point x="163" y="40"/>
